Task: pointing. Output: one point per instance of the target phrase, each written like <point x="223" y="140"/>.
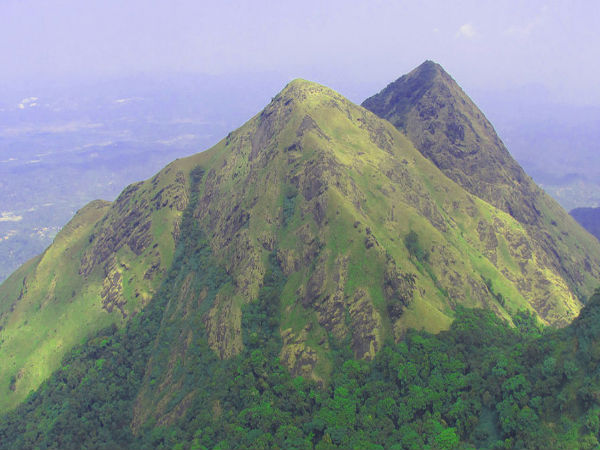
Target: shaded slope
<point x="449" y="129"/>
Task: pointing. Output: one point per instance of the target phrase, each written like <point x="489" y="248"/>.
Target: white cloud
<point x="467" y="31"/>
<point x="28" y="102"/>
<point x="9" y="217"/>
<point x="191" y="121"/>
<point x="8" y="235"/>
<point x="125" y="100"/>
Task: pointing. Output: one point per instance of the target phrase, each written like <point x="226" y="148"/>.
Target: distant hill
<point x="588" y="218"/>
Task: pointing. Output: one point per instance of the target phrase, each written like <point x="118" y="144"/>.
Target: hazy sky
<point x="483" y="44"/>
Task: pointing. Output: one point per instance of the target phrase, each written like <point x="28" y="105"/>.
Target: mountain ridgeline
<point x="316" y="236"/>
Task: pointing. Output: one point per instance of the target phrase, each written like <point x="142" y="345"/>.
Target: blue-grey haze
<point x="342" y="43"/>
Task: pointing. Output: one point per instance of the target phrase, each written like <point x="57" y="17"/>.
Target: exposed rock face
<point x="112" y="289"/>
<point x="398" y="289"/>
<point x="224" y="327"/>
<point x="366" y="325"/>
<point x="296" y="354"/>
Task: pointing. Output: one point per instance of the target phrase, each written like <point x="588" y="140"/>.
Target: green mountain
<point x="313" y="237"/>
<point x="448" y="129"/>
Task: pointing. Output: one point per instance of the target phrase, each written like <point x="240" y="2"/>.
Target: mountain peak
<point x="401" y="95"/>
<point x="428" y="67"/>
<point x="298" y="95"/>
<point x="301" y="89"/>
<point x="301" y="83"/>
<point x="448" y="129"/>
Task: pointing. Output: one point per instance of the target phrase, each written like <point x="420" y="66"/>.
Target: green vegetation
<point x="415" y="250"/>
<point x="481" y="384"/>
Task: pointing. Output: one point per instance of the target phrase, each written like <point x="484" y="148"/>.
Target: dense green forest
<point x="482" y="384"/>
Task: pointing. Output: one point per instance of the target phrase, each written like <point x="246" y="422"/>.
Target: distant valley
<point x="588" y="218"/>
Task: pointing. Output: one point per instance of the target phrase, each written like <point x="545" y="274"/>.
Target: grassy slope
<point x="40" y="328"/>
<point x="87" y="279"/>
